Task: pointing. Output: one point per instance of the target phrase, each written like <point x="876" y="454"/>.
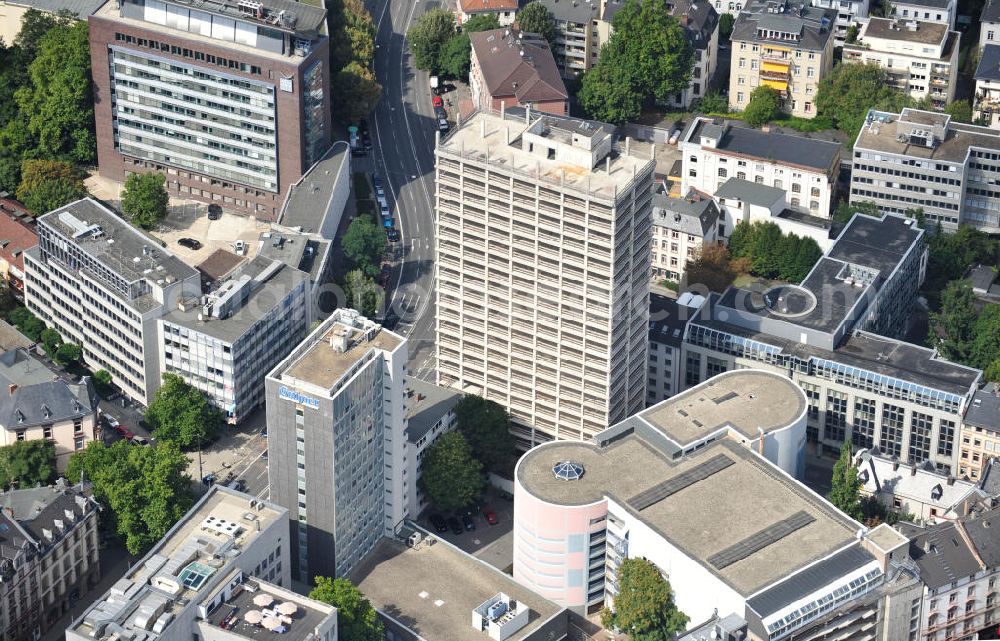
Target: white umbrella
<point x="287" y="608"/>
<point x="263" y="600"/>
<point x="270" y="623"/>
<point x="253" y="616"/>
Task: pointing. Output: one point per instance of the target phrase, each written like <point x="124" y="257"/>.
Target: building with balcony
<point x="715" y="151"/>
<point x="986" y="101"/>
<point x="49" y="556"/>
<point x="222" y="573"/>
<point x="510" y="68"/>
<point x="227" y="99"/>
<point x="42" y="405"/>
<point x="542" y="270"/>
<point x="921" y="159"/>
<point x="336" y="431"/>
<point x="580" y="33"/>
<point x="938" y="11"/>
<point x="849" y="12"/>
<point x="691" y="486"/>
<point x="504" y="10"/>
<point x="919" y="58"/>
<point x="783" y="44"/>
<point x="832" y="334"/>
<point x="681" y="228"/>
<point x="17" y="234"/>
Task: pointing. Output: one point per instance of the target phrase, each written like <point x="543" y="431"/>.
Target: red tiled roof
<point x="518" y="64"/>
<point x="479" y="6"/>
<point x="15" y="236"/>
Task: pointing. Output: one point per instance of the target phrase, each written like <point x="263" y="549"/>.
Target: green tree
<point x="455" y="57"/>
<point x="645" y="607"/>
<point x="103" y="377"/>
<point x="846" y="210"/>
<point x="960" y="111"/>
<point x="27" y="323"/>
<point x="712" y="102"/>
<point x="726" y="22"/>
<point x="711" y="269"/>
<point x="58" y="100"/>
<point x="364" y="244"/>
<point x="364" y="294"/>
<point x="534" y="17"/>
<point x="26" y="464"/>
<point x="68" y="353"/>
<point x="51" y="340"/>
<point x="428" y="36"/>
<point x="486" y="426"/>
<point x="482" y="22"/>
<point x="357" y="620"/>
<point x="48" y="184"/>
<point x="352" y="52"/>
<point x="450" y="476"/>
<point x="8" y="300"/>
<point x="763" y="107"/>
<point x="951" y="328"/>
<point x="847" y="93"/>
<point x="845" y="488"/>
<point x="608" y="96"/>
<point x="183" y="414"/>
<point x="852" y="34"/>
<point x="984" y="348"/>
<point x="145" y="199"/>
<point x="357" y="92"/>
<point x="145" y="488"/>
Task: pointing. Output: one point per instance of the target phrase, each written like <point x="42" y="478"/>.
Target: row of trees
<point x="453" y="468"/>
<point x="967" y="332"/>
<point x="442" y="47"/>
<point x="647" y="59"/>
<point x="352" y="54"/>
<point x="764" y="251"/>
<point x="46" y="110"/>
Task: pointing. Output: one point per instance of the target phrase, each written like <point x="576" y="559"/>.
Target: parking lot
<point x="491" y="543"/>
<point x="190" y="220"/>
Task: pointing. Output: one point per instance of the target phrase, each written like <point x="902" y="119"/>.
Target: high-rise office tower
<point x="225" y="98"/>
<point x="543" y="227"/>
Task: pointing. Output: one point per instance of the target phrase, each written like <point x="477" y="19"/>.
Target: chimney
<point x="11" y="389"/>
<point x="913" y="471"/>
<point x="951" y="480"/>
<point x="927" y="546"/>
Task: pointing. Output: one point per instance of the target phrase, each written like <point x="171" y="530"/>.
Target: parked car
<point x="208" y="479"/>
<point x="437" y="101"/>
<point x="377" y="181"/>
<point x="214" y="212"/>
<point x="393" y="235"/>
<point x="439" y="524"/>
<point x="112" y="421"/>
<point x="190" y="243"/>
<point x="383" y="277"/>
<point x="491" y="516"/>
<point x="241" y="247"/>
<point x="454" y="525"/>
<point x="139" y="440"/>
<point x="469" y="524"/>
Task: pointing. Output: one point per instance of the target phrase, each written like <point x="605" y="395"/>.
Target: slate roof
<point x="991" y="12"/>
<point x="982" y="529"/>
<point x="578" y="11"/>
<point x="38" y="508"/>
<point x="698" y="18"/>
<point x="666" y="322"/>
<point x="518" y="64"/>
<point x="797" y="150"/>
<point x="989" y="62"/>
<point x="946" y="557"/>
<point x="984" y="410"/>
<point x="809" y="580"/>
<point x="427" y="406"/>
<point x="695" y="216"/>
<point x="750" y="192"/>
<point x="39" y="396"/>
<point x="812" y="24"/>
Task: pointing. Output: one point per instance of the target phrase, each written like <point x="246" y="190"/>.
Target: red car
<point x="490" y="516"/>
<point x="437" y="101"/>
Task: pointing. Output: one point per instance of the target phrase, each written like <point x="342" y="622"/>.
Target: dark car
<point x="454" y="525"/>
<point x="469" y="524"/>
<point x="438" y="522"/>
<point x="377" y="181"/>
<point x="208" y="479"/>
<point x="214" y="212"/>
<point x="491" y="516"/>
<point x="392" y="235"/>
<point x="383" y="277"/>
<point x="190" y="243"/>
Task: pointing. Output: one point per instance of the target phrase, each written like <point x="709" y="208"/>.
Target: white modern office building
<point x="542" y="265"/>
<point x="337" y="442"/>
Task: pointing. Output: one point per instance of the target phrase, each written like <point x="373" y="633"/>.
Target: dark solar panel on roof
<point x="658" y="492"/>
<point x="760" y="540"/>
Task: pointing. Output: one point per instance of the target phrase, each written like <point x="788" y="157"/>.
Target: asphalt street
<point x="403" y="133"/>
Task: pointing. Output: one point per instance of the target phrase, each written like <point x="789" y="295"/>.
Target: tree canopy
<point x="145" y="199"/>
<point x="710" y="269"/>
<point x="364" y="244"/>
<point x="726" y="22"/>
<point x="49" y="184"/>
<point x="364" y="294"/>
<point x="763" y="106"/>
<point x="357" y="91"/>
<point x="771" y="253"/>
<point x="847" y="93"/>
<point x="644" y="607"/>
<point x="486" y="426"/>
<point x="146" y="488"/>
<point x="26" y="464"/>
<point x="960" y="111"/>
<point x="450" y="476"/>
<point x="27" y="323"/>
<point x="646" y="60"/>
<point x="182" y="413"/>
<point x="845" y="490"/>
<point x="356" y="618"/>
<point x="428" y="36"/>
<point x="966" y="331"/>
<point x="352" y="54"/>
<point x="534" y="17"/>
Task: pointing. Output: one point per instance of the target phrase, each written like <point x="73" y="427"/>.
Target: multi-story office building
<point x="667" y="319"/>
<point x="429" y="414"/>
<point x="939" y="11"/>
<point x="919" y="58"/>
<point x="242" y="325"/>
<point x="849" y="12"/>
<point x="921" y="159"/>
<point x="336" y="431"/>
<point x="980" y="433"/>
<point x="542" y="266"/>
<point x="807" y="169"/>
<point x="103" y="284"/>
<point x="986" y="100"/>
<point x="690" y="485"/>
<point x="783" y="44"/>
<point x="39" y="405"/>
<point x="49" y="556"/>
<point x="681" y="228"/>
<point x="221" y="573"/>
<point x="831" y="335"/>
<point x="228" y="98"/>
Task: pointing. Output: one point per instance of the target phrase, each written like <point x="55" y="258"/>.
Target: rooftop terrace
<point x="880" y="134"/>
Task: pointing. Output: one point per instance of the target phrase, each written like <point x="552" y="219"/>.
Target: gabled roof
<point x="518" y="64"/>
<point x="989" y="62"/>
<point x="487" y="6"/>
<point x="15" y="235"/>
<point x="983" y="528"/>
<point x="942" y="555"/>
<point x="38" y="508"/>
<point x="991" y="11"/>
<point x="30" y="394"/>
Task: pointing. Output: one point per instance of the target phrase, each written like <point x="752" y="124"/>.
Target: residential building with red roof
<point x="511" y="68"/>
<point x="503" y="9"/>
<point x="17" y="233"/>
